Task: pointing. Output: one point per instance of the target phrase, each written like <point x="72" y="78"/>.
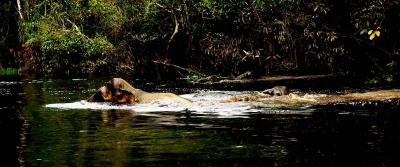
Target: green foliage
<point x="72" y="50"/>
<point x="192" y="77"/>
<point x="8" y="72"/>
<point x="263" y="36"/>
<point x="71" y="41"/>
<point x="108" y="15"/>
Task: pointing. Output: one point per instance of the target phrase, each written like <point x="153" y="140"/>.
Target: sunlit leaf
<point x="372" y="36"/>
<point x="378" y="33"/>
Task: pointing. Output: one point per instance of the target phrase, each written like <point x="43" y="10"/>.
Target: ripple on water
<point x="203" y="108"/>
<point x="206" y="103"/>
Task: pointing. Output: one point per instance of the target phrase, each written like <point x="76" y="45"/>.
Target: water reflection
<point x="12" y="124"/>
<point x="335" y="135"/>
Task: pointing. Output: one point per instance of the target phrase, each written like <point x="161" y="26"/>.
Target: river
<point x="46" y="123"/>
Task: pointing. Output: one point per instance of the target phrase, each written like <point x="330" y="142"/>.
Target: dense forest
<point x="151" y="38"/>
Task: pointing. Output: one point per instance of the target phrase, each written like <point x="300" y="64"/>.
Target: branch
<point x="77" y="29"/>
<point x="75" y="26"/>
<point x="19" y="9"/>
<point x="372" y="46"/>
<point x="163" y="7"/>
<point x="176" y="29"/>
<point x="179" y="67"/>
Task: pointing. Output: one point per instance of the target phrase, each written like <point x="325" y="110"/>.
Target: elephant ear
<point x="124" y="97"/>
<point x="120" y="92"/>
<point x="110" y="86"/>
<point x="268" y="92"/>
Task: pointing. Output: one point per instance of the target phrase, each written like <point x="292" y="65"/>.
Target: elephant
<point x="119" y="91"/>
<point x="277" y="91"/>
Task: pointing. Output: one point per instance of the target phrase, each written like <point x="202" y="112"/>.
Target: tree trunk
<point x="20" y="10"/>
<point x="176" y="29"/>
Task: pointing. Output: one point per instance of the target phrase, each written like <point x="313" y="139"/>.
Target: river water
<point x="46" y="123"/>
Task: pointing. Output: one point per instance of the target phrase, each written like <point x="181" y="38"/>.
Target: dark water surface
<point x="33" y="135"/>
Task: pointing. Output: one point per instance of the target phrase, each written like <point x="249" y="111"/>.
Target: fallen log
<point x="300" y="82"/>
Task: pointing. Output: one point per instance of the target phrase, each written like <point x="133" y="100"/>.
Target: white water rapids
<point x="217" y="103"/>
<point x="204" y="103"/>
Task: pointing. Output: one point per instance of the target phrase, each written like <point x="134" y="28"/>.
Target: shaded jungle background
<point x="149" y="39"/>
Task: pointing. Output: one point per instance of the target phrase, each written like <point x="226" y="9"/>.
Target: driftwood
<point x="245" y="81"/>
<point x="214" y="78"/>
<point x="309" y="81"/>
<point x="325" y="99"/>
<point x="262" y="99"/>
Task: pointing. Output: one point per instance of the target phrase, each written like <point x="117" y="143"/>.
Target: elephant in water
<point x="277" y="91"/>
<point x="119" y="91"/>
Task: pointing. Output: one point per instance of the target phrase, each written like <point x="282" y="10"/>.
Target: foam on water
<point x="88" y="105"/>
<point x="204" y="103"/>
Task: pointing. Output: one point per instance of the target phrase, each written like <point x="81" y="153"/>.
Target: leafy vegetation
<point x="268" y="37"/>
